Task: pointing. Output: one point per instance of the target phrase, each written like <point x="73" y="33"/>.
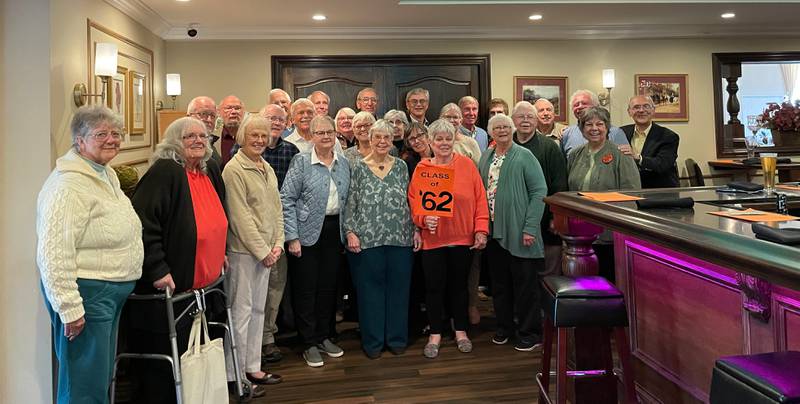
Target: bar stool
<point x="755" y="379"/>
<point x="587" y="301"/>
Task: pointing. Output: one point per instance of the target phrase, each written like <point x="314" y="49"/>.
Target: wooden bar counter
<point x="697" y="286"/>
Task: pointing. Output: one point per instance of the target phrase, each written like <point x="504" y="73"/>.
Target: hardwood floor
<point x="490" y="373"/>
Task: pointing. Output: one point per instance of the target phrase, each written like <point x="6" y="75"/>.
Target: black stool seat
<point x="587" y="301"/>
<point x="753" y="379"/>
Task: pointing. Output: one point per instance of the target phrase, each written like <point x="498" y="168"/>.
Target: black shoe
<point x="270" y="353"/>
<point x="527" y="345"/>
<point x="269" y="378"/>
<point x="372" y="355"/>
<point x="257" y="391"/>
<point x="500" y="338"/>
<point x="397" y="350"/>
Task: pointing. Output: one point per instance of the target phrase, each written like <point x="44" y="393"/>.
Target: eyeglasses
<point x="103" y="136"/>
<point x="396" y="122"/>
<point x="204" y="115"/>
<point x="193" y="137"/>
<point x="525" y="117"/>
<point x="368" y="99"/>
<point x="232" y="108"/>
<point x="417" y="102"/>
<point x="322" y="133"/>
<point x="415" y="139"/>
<point x="645" y="107"/>
<point x="363" y="126"/>
<point x="502" y="127"/>
<point x="278" y="119"/>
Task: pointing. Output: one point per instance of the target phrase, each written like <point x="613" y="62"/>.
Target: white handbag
<point x="203" y="367"/>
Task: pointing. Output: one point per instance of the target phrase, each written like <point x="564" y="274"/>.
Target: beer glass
<point x="769" y="163"/>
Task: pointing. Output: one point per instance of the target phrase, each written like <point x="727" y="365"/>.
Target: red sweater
<point x="212" y="230"/>
<point x="470" y="210"/>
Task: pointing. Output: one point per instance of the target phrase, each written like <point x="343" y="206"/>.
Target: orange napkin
<point x="752" y="215"/>
<point x="608" y="196"/>
<point x="788" y="187"/>
<point x="725" y="161"/>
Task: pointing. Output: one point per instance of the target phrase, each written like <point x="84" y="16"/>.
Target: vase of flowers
<point x="784" y="122"/>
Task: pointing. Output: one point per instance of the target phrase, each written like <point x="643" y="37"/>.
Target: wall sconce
<point x="105" y="66"/>
<point x="173" y="86"/>
<point x="608" y="84"/>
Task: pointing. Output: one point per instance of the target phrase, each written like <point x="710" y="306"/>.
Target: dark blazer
<point x="657" y="168"/>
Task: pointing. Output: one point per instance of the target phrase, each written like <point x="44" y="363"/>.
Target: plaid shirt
<point x="279" y="158"/>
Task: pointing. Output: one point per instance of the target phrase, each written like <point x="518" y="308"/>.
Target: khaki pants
<point x="277" y="282"/>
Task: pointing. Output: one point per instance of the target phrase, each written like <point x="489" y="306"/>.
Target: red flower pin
<point x="608" y="158"/>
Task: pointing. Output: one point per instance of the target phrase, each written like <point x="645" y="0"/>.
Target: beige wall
<point x="219" y="68"/>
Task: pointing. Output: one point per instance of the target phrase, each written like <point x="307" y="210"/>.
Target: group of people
<point x="278" y="196"/>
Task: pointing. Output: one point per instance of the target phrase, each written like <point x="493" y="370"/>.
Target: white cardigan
<point x="87" y="229"/>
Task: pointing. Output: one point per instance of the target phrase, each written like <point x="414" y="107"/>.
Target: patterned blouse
<point x="377" y="209"/>
<point x="494" y="176"/>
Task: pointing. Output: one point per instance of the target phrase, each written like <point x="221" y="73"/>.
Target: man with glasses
<point x="573" y="135"/>
<point x="417" y="104"/>
<point x="205" y="109"/>
<point x="469" y="120"/>
<point x="546" y="121"/>
<point x="554" y="168"/>
<point x="367" y="100"/>
<point x="652" y="146"/>
<point x="302" y="112"/>
<point x="280" y="97"/>
<point x="232" y="111"/>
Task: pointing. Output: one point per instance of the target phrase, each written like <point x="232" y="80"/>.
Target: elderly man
<point x="321" y="102"/>
<point x="573" y="135"/>
<point x="469" y="119"/>
<point x="546" y="121"/>
<point x="205" y="109"/>
<point x="417" y="104"/>
<point x="280" y="97"/>
<point x="497" y="106"/>
<point x="278" y="154"/>
<point x="554" y="168"/>
<point x="367" y="100"/>
<point x="232" y="111"/>
<point x="652" y="146"/>
<point x="302" y="113"/>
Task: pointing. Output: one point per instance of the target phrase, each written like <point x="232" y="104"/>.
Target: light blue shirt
<point x="479" y="135"/>
<point x="573" y="137"/>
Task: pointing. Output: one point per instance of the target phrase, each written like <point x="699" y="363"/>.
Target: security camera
<point x="192" y="30"/>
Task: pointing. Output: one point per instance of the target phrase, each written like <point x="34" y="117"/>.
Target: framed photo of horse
<point x="669" y="92"/>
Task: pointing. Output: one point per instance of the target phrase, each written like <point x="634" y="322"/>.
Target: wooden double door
<point x="446" y="77"/>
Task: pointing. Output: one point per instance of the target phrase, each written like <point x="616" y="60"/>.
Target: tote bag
<point x="203" y="367"/>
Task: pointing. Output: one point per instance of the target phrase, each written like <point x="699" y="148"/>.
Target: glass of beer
<point x="769" y="165"/>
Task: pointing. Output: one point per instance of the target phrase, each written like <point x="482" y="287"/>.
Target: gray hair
<point x="363" y="116"/>
<point x="467" y="99"/>
<point x="275" y="107"/>
<point x="322" y="93"/>
<point x="192" y="107"/>
<point x="171" y="147"/>
<point x="319" y="120"/>
<point x="647" y="98"/>
<point x="500" y="119"/>
<point x="448" y="107"/>
<point x="522" y="104"/>
<point x="279" y="90"/>
<point x="592" y="95"/>
<point x="297" y="104"/>
<point x="88" y="117"/>
<point x="364" y="90"/>
<point x="250" y="121"/>
<point x="594" y="113"/>
<point x="441" y="125"/>
<point x="381" y="125"/>
<point x="418" y="90"/>
<point x="395" y="114"/>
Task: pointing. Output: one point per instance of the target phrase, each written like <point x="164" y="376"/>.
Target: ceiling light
<point x="535" y="17"/>
<point x="183" y="1"/>
<point x="728" y="15"/>
<point x="319" y="17"/>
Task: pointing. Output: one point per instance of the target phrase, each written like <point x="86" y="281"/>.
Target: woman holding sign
<point x="449" y="206"/>
<point x="377" y="224"/>
<point x="515" y="187"/>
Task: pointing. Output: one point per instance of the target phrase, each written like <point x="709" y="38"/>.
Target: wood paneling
<point x="786" y="320"/>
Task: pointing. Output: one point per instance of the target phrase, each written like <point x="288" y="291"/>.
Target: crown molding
<point x="143" y="14"/>
<point x="576" y="2"/>
<point x="550" y="32"/>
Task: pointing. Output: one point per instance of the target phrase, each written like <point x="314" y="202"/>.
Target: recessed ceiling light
<point x="535" y="17"/>
<point x="183" y="1"/>
<point x="728" y="15"/>
<point x="319" y="17"/>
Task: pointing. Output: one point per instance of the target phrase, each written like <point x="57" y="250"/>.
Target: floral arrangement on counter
<point x="783" y="117"/>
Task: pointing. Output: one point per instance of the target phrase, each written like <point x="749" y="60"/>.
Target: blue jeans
<point x="85" y="363"/>
<point x="382" y="277"/>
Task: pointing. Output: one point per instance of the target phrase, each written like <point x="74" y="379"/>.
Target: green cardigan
<point x="619" y="173"/>
<point x="518" y="204"/>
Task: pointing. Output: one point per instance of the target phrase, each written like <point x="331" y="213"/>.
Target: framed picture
<point x="554" y="89"/>
<point x="138" y="92"/>
<point x="669" y="92"/>
<point x="116" y="95"/>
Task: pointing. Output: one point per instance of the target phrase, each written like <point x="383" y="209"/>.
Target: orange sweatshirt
<point x="470" y="209"/>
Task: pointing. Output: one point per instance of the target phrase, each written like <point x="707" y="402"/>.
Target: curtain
<point x="791" y="74"/>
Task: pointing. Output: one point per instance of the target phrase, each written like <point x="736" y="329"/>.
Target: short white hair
<point x="498" y="120"/>
<point x="592" y="95"/>
<point x="522" y="104"/>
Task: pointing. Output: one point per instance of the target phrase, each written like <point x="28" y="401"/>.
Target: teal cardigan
<point x="518" y="204"/>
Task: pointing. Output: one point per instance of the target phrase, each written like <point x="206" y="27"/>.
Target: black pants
<point x="314" y="281"/>
<point x="446" y="270"/>
<point x="515" y="289"/>
<point x="153" y="379"/>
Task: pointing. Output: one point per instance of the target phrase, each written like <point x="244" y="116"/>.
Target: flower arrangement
<point x="784" y="117"/>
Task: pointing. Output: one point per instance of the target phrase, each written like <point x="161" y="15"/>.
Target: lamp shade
<point x="608" y="78"/>
<point x="105" y="59"/>
<point x="173" y="84"/>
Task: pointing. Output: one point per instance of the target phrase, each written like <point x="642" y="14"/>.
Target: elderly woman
<point x="515" y="187"/>
<point x="447" y="242"/>
<point x="464" y="145"/>
<point x="344" y="127"/>
<point x="598" y="165"/>
<point x="399" y="122"/>
<point x="180" y="203"/>
<point x="416" y="146"/>
<point x="380" y="234"/>
<point x="362" y="122"/>
<point x="89" y="254"/>
<point x="313" y="196"/>
<point x="255" y="240"/>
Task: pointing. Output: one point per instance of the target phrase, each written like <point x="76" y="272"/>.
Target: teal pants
<point x="86" y="362"/>
<point x="382" y="277"/>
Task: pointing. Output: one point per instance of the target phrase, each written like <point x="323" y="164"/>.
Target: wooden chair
<point x="695" y="174"/>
